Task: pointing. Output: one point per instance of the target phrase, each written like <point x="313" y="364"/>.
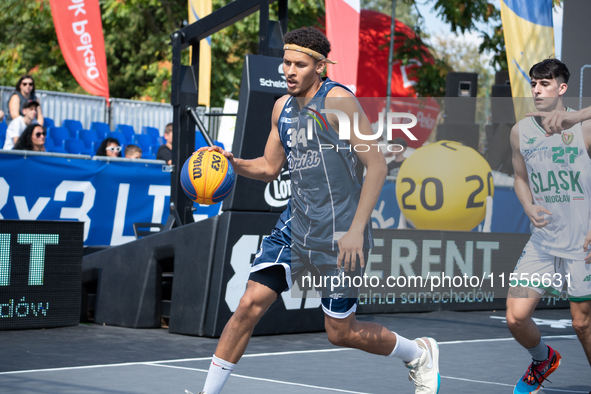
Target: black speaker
<point x="130" y="278"/>
<point x="460" y="101"/>
<point x="498" y="152"/>
<point x="502" y="78"/>
<point x="262" y="84"/>
<point x="467" y="134"/>
<point x="501" y="104"/>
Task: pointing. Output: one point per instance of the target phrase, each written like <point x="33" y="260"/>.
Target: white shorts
<point x="544" y="272"/>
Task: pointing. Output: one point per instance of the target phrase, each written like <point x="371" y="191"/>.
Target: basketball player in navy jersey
<point x="326" y="227"/>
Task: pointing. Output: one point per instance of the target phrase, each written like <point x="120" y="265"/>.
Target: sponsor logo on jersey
<point x="557" y="181"/>
<point x="283" y="119"/>
<point x="587" y="278"/>
<point x="528" y="152"/>
<point x="532" y="140"/>
<point x="567" y="138"/>
<point x="307" y="161"/>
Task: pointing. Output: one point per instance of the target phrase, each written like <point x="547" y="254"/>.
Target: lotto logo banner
<point x="79" y="32"/>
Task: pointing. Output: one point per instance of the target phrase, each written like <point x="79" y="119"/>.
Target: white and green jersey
<point x="559" y="174"/>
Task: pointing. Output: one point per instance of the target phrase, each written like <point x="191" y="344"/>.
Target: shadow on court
<point x="477" y="355"/>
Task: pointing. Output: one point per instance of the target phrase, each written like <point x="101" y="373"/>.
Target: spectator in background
<point x="165" y="151"/>
<point x="394" y="165"/>
<point x="109" y="147"/>
<point x="20" y="123"/>
<point x="25" y="91"/>
<point x="32" y="138"/>
<point x="1" y="115"/>
<point x="133" y="152"/>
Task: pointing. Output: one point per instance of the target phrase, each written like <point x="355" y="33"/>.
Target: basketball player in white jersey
<point x="553" y="183"/>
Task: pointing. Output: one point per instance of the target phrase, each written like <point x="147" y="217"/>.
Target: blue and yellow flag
<point x="197" y="10"/>
<point x="529" y="39"/>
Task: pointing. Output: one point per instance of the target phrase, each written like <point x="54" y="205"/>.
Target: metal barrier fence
<point x="59" y="106"/>
<point x="139" y="114"/>
<point x="87" y="109"/>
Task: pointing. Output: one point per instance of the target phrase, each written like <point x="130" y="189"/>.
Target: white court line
<point x="259" y="355"/>
<point x="264" y="380"/>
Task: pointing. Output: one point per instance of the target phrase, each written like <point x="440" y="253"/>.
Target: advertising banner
<point x="108" y="196"/>
<point x="342" y="30"/>
<point x="79" y="32"/>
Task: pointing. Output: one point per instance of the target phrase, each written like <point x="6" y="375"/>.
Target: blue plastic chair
<point x="143" y="141"/>
<point x="59" y="134"/>
<point x="148" y="155"/>
<point x="88" y="136"/>
<point x="48" y="122"/>
<point x="51" y="147"/>
<point x="119" y="137"/>
<point x="3" y="128"/>
<point x="200" y="141"/>
<point x="127" y="131"/>
<point x="152" y="132"/>
<point x="101" y="129"/>
<point x="75" y="146"/>
<point x="154" y="149"/>
<point x="73" y="126"/>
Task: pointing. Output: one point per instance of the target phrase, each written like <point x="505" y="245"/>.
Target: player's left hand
<point x="586" y="247"/>
<point x="350" y="246"/>
<point x="556" y="121"/>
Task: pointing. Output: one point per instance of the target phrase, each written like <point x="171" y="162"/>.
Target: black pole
<point x="200" y="125"/>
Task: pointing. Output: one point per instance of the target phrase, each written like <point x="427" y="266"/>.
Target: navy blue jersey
<point x="325" y="186"/>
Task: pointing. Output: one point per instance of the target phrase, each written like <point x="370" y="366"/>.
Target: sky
<point x="435" y="25"/>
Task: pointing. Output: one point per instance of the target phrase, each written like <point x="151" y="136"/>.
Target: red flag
<point x="342" y="30"/>
<point x="80" y="34"/>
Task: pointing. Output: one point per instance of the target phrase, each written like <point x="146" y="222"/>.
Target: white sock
<point x="219" y="372"/>
<point x="406" y="350"/>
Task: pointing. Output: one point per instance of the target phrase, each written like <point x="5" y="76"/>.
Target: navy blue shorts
<point x="276" y="251"/>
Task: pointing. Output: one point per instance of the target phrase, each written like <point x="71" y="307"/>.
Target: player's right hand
<point x="556" y="121"/>
<point x="218" y="149"/>
<point x="536" y="217"/>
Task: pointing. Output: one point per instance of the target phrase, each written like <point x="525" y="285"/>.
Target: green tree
<point x="405" y="11"/>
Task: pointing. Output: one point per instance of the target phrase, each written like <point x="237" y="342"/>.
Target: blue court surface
<point x="477" y="355"/>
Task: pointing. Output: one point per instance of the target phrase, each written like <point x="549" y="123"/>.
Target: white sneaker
<point x="424" y="371"/>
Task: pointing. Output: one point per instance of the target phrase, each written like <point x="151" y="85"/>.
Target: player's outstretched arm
<point x="267" y="167"/>
<point x="521" y="184"/>
<point x="351" y="244"/>
<point x="556" y="121"/>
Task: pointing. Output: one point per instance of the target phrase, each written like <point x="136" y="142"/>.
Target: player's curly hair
<point x="309" y="37"/>
<point x="550" y="69"/>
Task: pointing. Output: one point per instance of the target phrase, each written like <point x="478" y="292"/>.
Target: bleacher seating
<point x="51" y="147"/>
<point x="48" y="122"/>
<point x="143" y="141"/>
<point x="89" y="136"/>
<point x="119" y="137"/>
<point x="127" y="131"/>
<point x="3" y="128"/>
<point x="76" y="146"/>
<point x="58" y="134"/>
<point x="200" y="141"/>
<point x="72" y="138"/>
<point x="154" y="149"/>
<point x="101" y="129"/>
<point x="152" y="132"/>
<point x="73" y="127"/>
